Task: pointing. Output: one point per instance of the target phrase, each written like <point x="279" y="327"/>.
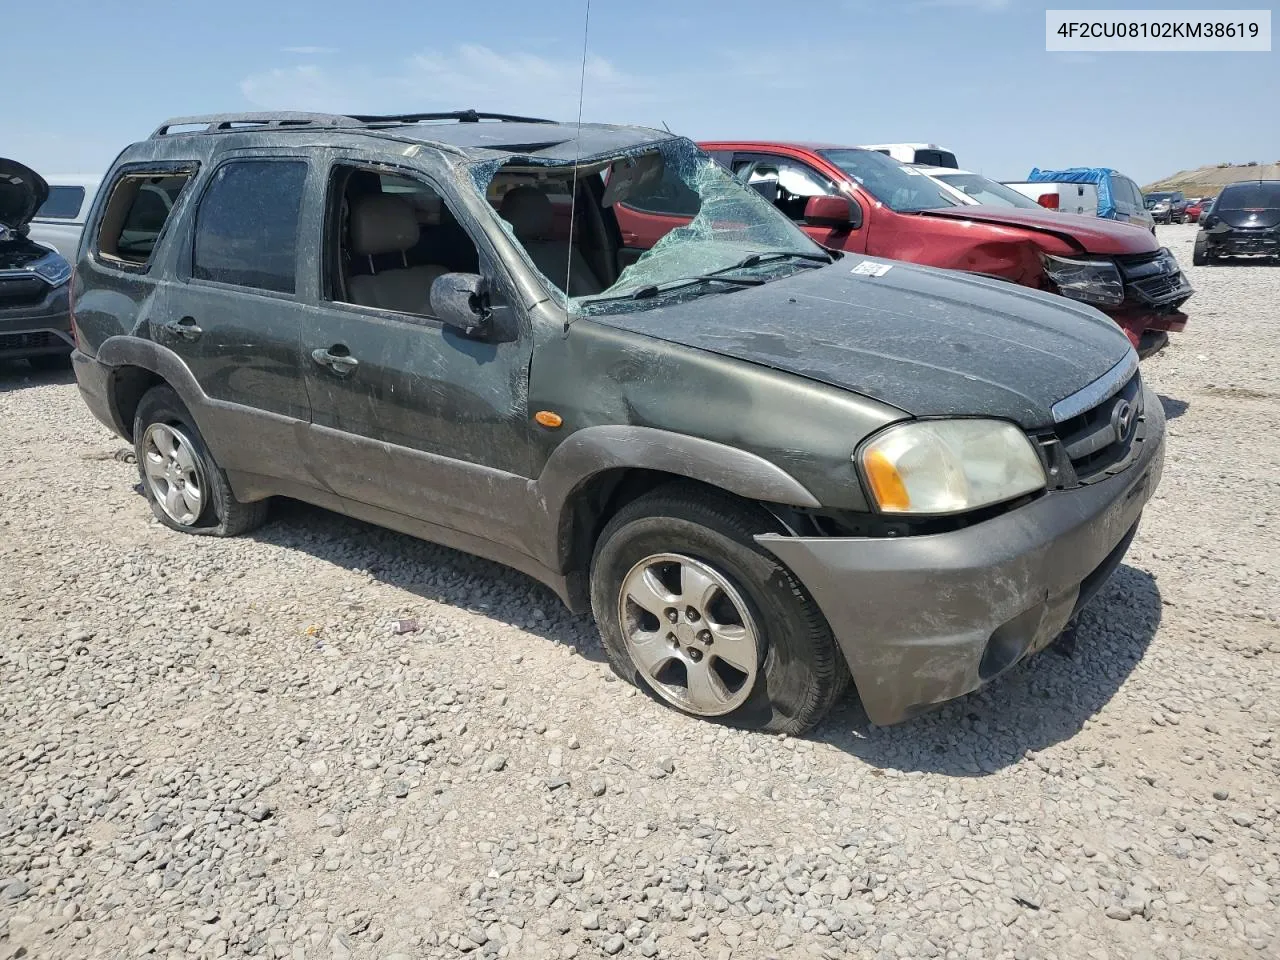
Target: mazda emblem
<point x="1122" y="420"/>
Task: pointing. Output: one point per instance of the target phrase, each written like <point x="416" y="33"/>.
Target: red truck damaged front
<point x="864" y="202"/>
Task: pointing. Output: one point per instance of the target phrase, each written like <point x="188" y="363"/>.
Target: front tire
<point x="692" y="611"/>
<point x="186" y="489"/>
<point x="1200" y="254"/>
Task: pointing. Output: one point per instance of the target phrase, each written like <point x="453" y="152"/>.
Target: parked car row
<point x="675" y="384"/>
<point x="1088" y="191"/>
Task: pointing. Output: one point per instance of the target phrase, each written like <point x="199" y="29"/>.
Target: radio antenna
<point x="577" y="155"/>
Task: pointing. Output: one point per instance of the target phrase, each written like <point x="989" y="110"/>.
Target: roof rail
<point x="462" y="116"/>
<point x="223" y="122"/>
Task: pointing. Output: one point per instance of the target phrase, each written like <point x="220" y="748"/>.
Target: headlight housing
<point x="52" y="268"/>
<point x="1091" y="281"/>
<point x="948" y="466"/>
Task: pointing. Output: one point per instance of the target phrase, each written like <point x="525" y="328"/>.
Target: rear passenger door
<point x="234" y="317"/>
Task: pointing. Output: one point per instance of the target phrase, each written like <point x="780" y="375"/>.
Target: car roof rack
<point x="461" y="116"/>
<point x="227" y="122"/>
<point x="291" y="120"/>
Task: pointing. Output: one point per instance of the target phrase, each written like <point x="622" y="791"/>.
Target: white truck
<point x="927" y="154"/>
<point x="1081" y="198"/>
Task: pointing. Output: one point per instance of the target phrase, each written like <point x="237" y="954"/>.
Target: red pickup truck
<point x="865" y="202"/>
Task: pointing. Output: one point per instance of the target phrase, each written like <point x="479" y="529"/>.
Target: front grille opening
<point x="37" y="340"/>
<point x="1101" y="438"/>
<point x="24" y="290"/>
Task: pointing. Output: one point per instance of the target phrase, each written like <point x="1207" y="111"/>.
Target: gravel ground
<point x="216" y="747"/>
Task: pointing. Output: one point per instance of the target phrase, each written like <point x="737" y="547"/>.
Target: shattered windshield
<point x="687" y="225"/>
<point x="901" y="188"/>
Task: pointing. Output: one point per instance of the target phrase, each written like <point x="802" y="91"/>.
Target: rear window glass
<point x="1244" y="196"/>
<point x="136" y="214"/>
<point x="63" y="204"/>
<point x="247" y="225"/>
<point x="937" y="158"/>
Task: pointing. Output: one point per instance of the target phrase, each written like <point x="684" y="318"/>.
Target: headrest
<point x="529" y="212"/>
<point x="382" y="223"/>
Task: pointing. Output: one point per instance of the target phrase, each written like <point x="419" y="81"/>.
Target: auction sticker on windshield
<point x="1110" y="31"/>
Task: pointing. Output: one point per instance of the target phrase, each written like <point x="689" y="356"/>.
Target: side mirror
<point x="461" y="300"/>
<point x="832" y="212"/>
<point x="766" y="188"/>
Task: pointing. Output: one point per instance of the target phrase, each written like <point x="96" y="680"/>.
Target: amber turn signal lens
<point x="887" y="486"/>
<point x="548" y="419"/>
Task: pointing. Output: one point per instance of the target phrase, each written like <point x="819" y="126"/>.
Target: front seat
<point x="529" y="212"/>
<point x="381" y="224"/>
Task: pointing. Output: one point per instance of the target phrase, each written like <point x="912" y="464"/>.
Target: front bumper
<point x="925" y="619"/>
<point x="39" y="327"/>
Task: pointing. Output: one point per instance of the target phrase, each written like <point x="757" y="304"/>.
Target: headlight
<point x="53" y="268"/>
<point x="949" y="466"/>
<point x="1092" y="281"/>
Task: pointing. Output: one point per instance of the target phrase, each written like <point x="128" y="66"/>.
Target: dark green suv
<point x="764" y="466"/>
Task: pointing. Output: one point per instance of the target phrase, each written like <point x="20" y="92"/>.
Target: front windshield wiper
<point x="765" y="255"/>
<point x="653" y="289"/>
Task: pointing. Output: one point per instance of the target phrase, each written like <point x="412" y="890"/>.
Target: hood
<point x="1252" y="217"/>
<point x="22" y="192"/>
<point x="1087" y="234"/>
<point x="929" y="342"/>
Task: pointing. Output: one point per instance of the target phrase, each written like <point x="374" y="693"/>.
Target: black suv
<point x="1243" y="221"/>
<point x="761" y="464"/>
<point x="34" y="322"/>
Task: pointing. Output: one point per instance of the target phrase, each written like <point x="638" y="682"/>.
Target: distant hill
<point x="1209" y="181"/>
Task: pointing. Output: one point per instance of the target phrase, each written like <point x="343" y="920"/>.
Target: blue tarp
<point x="1096" y="175"/>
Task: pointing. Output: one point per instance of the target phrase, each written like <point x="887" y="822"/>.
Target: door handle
<point x="186" y="328"/>
<point x="340" y="363"/>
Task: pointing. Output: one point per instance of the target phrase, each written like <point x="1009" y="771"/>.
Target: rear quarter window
<point x="139" y="208"/>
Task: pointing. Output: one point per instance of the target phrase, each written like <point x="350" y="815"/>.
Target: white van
<point x="60" y="220"/>
<point x="926" y="154"/>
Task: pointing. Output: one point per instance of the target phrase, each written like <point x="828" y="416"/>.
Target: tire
<point x="50" y="361"/>
<point x="682" y="531"/>
<point x="162" y="425"/>
<point x="1200" y="254"/>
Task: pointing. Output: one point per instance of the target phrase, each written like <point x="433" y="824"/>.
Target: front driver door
<point x="409" y="415"/>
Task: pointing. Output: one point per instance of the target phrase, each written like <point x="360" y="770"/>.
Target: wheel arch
<point x="598" y="470"/>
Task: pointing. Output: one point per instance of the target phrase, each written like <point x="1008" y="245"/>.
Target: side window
<point x="794" y="181"/>
<point x="667" y="195"/>
<point x="63" y="204"/>
<point x="247" y="225"/>
<point x="136" y="214"/>
<point x="389" y="237"/>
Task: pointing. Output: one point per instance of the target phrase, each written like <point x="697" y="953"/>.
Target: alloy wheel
<point x="174" y="473"/>
<point x="690" y="633"/>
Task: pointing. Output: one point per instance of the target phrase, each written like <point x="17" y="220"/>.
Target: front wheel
<point x="1200" y="254"/>
<point x="691" y="610"/>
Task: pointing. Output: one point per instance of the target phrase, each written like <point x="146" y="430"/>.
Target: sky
<point x="83" y="79"/>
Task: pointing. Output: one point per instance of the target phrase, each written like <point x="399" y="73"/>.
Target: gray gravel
<point x="220" y="748"/>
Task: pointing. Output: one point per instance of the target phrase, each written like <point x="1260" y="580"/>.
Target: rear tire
<point x="777" y="666"/>
<point x="185" y="487"/>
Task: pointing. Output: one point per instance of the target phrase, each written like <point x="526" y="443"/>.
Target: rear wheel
<point x="691" y="610"/>
<point x="186" y="489"/>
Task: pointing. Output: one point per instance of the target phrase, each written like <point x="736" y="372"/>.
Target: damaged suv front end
<point x="972" y="491"/>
